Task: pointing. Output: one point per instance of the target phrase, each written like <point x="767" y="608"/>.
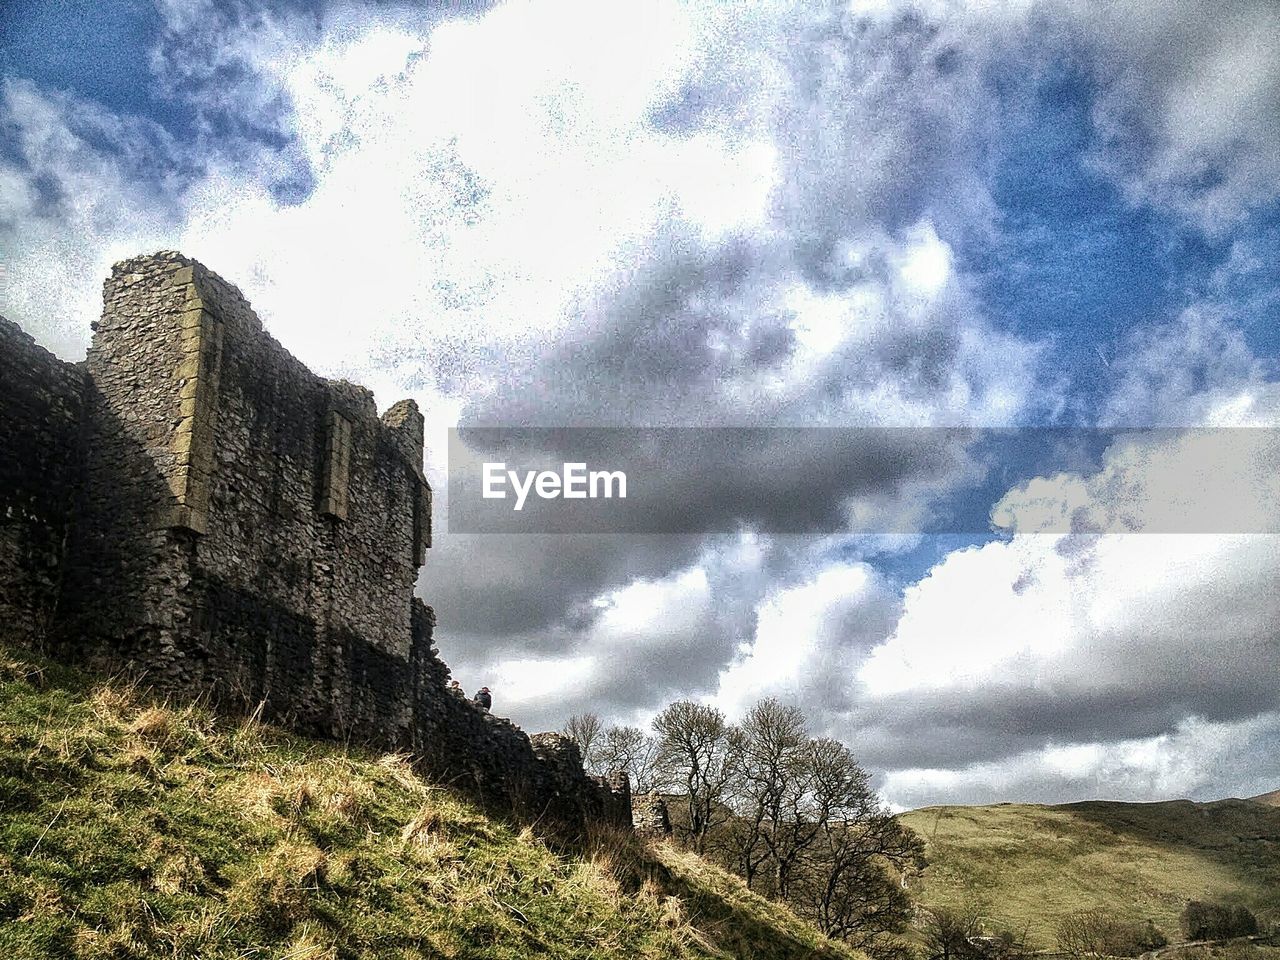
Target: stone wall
<point x="264" y="543"/>
<point x="249" y="532"/>
<point x="541" y="777"/>
<point x="40" y="409"/>
<point x="650" y="816"/>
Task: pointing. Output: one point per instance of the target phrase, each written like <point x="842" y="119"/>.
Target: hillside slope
<point x="1030" y="865"/>
<point x="130" y="829"/>
<point x="1271" y="799"/>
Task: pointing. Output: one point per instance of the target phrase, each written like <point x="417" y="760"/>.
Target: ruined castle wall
<point x="40" y="404"/>
<point x="650" y="817"/>
<point x="248" y="531"/>
<point x="281" y="524"/>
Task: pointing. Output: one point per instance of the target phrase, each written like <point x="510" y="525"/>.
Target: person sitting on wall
<point x="456" y="687"/>
<point x="483" y="700"/>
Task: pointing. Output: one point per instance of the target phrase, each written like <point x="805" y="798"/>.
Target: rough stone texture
<point x="649" y="814"/>
<point x="249" y="532"/>
<point x="540" y="777"/>
<point x="41" y="399"/>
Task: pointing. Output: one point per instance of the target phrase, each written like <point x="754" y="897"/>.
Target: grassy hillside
<point x="1033" y="864"/>
<point x="1271" y="799"/>
<point x="130" y="829"/>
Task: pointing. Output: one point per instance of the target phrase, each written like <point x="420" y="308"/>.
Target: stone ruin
<point x="192" y="503"/>
<point x="649" y="815"/>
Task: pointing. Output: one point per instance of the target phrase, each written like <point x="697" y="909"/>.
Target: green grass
<point x="135" y="829"/>
<point x="1031" y="865"/>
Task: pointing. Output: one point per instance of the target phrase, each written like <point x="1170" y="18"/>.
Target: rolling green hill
<point x="134" y="829"/>
<point x="1030" y="865"/>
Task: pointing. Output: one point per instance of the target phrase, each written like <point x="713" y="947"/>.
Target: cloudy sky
<point x="868" y="214"/>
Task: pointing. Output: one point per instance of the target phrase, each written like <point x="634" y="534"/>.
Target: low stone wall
<point x="540" y="778"/>
<point x="41" y="400"/>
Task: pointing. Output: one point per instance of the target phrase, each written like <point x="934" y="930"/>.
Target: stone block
<point x="188" y="367"/>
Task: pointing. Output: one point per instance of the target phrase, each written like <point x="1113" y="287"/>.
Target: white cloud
<point x="521" y="682"/>
<point x="1054" y="617"/>
<point x="1053" y="612"/>
<point x="646" y="625"/>
<point x="926" y="263"/>
<point x="1124" y="665"/>
<point x="808" y="639"/>
<point x="1196" y="369"/>
<point x="967" y="619"/>
<point x="1198" y="759"/>
<point x="78" y="209"/>
<point x="1189" y="116"/>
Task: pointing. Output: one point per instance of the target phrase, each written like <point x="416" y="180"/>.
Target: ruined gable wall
<point x="126" y="602"/>
<point x="40" y="404"/>
<point x="311" y="551"/>
<point x="265" y="542"/>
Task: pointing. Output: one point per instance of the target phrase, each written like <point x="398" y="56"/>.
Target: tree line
<point x="794" y="815"/>
<point x="1096" y="933"/>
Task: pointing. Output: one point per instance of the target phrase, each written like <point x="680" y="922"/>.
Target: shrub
<point x="1217" y="921"/>
<point x="1096" y="933"/>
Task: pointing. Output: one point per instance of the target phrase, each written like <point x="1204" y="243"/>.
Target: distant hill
<point x="1271" y="799"/>
<point x="135" y="829"/>
<point x="1032" y="864"/>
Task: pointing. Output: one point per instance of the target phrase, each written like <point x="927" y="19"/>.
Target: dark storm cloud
<point x="684" y="317"/>
<point x="1196" y="760"/>
<point x="536" y="587"/>
<point x="706" y="480"/>
<point x="531" y="596"/>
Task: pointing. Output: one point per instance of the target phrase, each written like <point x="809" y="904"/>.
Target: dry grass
<point x="156" y="724"/>
<point x="142" y="829"/>
<point x="309" y="943"/>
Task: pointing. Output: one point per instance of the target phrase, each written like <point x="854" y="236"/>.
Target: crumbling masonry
<point x="193" y="502"/>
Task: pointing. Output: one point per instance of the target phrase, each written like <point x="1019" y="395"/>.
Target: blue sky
<point x="906" y="212"/>
<point x="94" y="50"/>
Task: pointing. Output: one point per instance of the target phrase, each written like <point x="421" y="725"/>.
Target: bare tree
<point x="632" y="750"/>
<point x="695" y="757"/>
<point x="585" y="730"/>
<point x="851" y="885"/>
<point x="797" y="818"/>
<point x="769" y="788"/>
<point x="949" y="932"/>
<point x="1081" y="934"/>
